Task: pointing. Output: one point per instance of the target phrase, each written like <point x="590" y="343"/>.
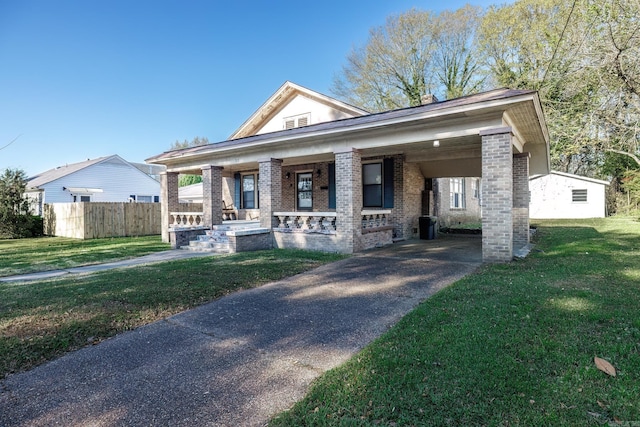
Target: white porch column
<point x="521" y="200"/>
<point x="270" y="187"/>
<point x="349" y="199"/>
<point x="212" y="195"/>
<point x="497" y="195"/>
<point x="169" y="200"/>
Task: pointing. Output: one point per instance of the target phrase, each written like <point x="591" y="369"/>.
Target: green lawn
<point x="40" y="321"/>
<point x="21" y="256"/>
<point x="511" y="345"/>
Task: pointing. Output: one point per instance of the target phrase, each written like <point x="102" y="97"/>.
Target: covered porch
<point x="358" y="183"/>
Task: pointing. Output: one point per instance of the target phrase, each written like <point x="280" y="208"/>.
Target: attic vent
<point x="297" y="121"/>
<point x="579" y="195"/>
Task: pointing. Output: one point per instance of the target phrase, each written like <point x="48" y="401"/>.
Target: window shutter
<point x="388" y="183"/>
<point x="332" y="185"/>
<point x="237" y="189"/>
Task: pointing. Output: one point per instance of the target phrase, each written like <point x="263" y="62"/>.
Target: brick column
<point x="270" y="188"/>
<point x="169" y="200"/>
<point x="212" y="195"/>
<point x="520" y="200"/>
<point x="349" y="199"/>
<point x="497" y="195"/>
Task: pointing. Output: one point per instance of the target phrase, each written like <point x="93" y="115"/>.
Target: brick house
<point x="320" y="174"/>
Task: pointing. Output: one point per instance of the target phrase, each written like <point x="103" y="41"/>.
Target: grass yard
<point x="22" y="256"/>
<point x="511" y="345"/>
<point x="40" y="321"/>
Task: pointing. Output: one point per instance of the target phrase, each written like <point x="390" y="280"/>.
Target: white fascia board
<point x="580" y="177"/>
<point x="497" y="106"/>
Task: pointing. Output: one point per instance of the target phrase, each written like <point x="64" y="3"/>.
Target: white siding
<point x="116" y="178"/>
<point x="551" y="197"/>
<point x="300" y="104"/>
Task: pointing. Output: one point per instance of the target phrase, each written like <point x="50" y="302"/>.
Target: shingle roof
<point x="370" y="119"/>
<point x="61" y="171"/>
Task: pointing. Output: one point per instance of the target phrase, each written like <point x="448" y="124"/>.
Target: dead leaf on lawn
<point x="605" y="366"/>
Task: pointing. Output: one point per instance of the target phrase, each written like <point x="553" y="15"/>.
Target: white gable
<point x="301" y="106"/>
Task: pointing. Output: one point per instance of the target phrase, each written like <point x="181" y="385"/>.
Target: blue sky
<point x="85" y="79"/>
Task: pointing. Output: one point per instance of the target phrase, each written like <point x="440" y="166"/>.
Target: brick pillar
<point x="349" y="199"/>
<point x="270" y="188"/>
<point x="212" y="195"/>
<point x="169" y="200"/>
<point x="520" y="200"/>
<point x="497" y="195"/>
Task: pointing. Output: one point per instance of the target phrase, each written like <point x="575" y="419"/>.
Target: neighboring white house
<point x="105" y="179"/>
<point x="560" y="195"/>
<point x="190" y="193"/>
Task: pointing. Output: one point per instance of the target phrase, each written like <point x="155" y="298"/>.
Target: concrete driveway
<point x="241" y="359"/>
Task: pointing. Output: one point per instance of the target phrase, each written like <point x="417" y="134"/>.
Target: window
<point x="579" y="195"/>
<point x="248" y="191"/>
<point x="81" y="198"/>
<point x="305" y="190"/>
<point x="372" y="185"/>
<point x="297" y="121"/>
<point x="143" y="199"/>
<point x="475" y="187"/>
<point x="456" y="193"/>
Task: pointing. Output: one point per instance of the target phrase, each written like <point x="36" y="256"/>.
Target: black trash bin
<point x="428" y="230"/>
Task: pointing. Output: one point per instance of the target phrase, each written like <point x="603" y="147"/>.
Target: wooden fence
<point x="95" y="220"/>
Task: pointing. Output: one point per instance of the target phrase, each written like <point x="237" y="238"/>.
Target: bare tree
<point x="413" y="54"/>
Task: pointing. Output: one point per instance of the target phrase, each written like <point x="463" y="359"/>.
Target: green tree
<point x="583" y="56"/>
<point x="195" y="142"/>
<point x="536" y="44"/>
<point x="187" y="179"/>
<point x="414" y="54"/>
<point x="457" y="64"/>
<point x="15" y="216"/>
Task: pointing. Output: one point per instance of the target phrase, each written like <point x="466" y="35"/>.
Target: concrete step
<point x="220" y="238"/>
<point x="214" y="247"/>
<point x="209" y="250"/>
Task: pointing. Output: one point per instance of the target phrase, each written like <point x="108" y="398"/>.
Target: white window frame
<point x="256" y="194"/>
<point x="457" y="194"/>
<point x="297" y="121"/>
<point x="475" y="187"/>
<point x="381" y="184"/>
<point x="298" y="173"/>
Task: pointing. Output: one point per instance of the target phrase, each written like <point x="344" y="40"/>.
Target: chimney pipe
<point x="428" y="98"/>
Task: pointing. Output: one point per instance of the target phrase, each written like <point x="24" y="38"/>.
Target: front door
<point x="305" y="191"/>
